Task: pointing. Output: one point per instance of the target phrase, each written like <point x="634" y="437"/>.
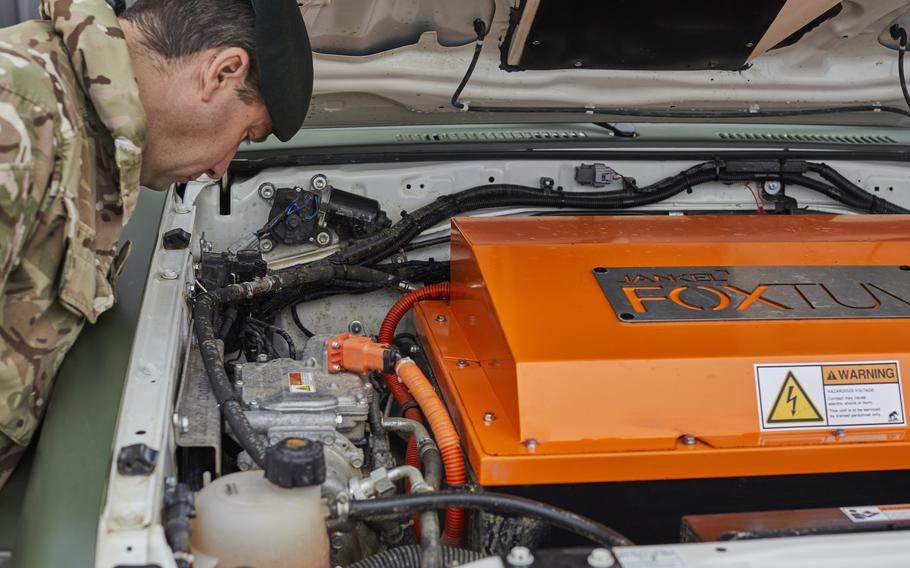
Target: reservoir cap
<point x="295" y="462"/>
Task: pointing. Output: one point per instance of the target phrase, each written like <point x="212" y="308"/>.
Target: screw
<point x="336" y="367"/>
<point x="689" y="440"/>
<point x="840" y="433"/>
<point x="531" y="444"/>
<point x="335" y="345"/>
<point x="319" y="182"/>
<point x="440" y="318"/>
<point x="323" y="238"/>
<point x="355" y="327"/>
<point x="267" y="190"/>
<point x="520" y="556"/>
<point x="489" y="416"/>
<point x="265" y="245"/>
<point x="168" y="274"/>
<point x="337" y="541"/>
<point x="601" y="558"/>
<point x="462" y="364"/>
<point x="772" y="187"/>
<point x="262" y="358"/>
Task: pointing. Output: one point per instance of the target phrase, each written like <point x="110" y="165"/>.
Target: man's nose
<point x="218" y="170"/>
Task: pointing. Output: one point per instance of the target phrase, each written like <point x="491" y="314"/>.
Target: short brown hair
<point x="174" y="29"/>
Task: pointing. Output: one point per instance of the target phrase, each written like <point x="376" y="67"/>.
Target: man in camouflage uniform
<point x="92" y="106"/>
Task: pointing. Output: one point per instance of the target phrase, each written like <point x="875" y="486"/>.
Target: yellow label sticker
<point x="793" y="404"/>
<point x="854" y="394"/>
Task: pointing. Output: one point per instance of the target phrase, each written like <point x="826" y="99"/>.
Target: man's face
<point x="197" y="118"/>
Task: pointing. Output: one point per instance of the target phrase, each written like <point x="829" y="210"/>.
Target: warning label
<point x="840" y="395"/>
<point x="301" y="382"/>
<point x="877" y="514"/>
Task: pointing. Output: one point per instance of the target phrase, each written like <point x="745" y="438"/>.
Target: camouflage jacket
<point x="71" y="133"/>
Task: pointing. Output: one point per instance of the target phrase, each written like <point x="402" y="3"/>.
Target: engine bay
<point x="432" y="363"/>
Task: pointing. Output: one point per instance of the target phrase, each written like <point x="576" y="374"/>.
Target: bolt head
<point x="772" y="187"/>
<point x="531" y="444"/>
<point x="336" y="367"/>
<point x="266" y="245"/>
<point x="262" y="358"/>
<point x="355" y="327"/>
<point x="489" y="417"/>
<point x="335" y="345"/>
<point x="169" y="274"/>
<point x="462" y="364"/>
<point x="840" y="433"/>
<point x="322" y="239"/>
<point x="337" y="541"/>
<point x="319" y="182"/>
<point x="440" y="318"/>
<point x="689" y="440"/>
<point x="520" y="556"/>
<point x="267" y="190"/>
<point x="601" y="558"/>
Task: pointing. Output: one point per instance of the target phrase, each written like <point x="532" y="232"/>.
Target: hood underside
<point x="388" y="62"/>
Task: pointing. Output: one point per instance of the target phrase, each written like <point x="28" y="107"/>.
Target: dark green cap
<point x="285" y="64"/>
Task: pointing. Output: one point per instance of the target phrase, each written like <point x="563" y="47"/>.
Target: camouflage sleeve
<point x="26" y="159"/>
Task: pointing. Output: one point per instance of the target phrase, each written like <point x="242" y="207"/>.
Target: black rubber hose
<point x="409" y="557"/>
<point x="254" y="444"/>
<point x="403" y="505"/>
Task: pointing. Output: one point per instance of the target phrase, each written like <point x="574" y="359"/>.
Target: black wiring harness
<point x="900" y="34"/>
<point x="827" y="181"/>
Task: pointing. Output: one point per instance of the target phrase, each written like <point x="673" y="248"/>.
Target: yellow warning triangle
<point x="793" y="404"/>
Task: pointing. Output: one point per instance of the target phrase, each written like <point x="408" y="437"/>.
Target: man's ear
<point x="226" y="68"/>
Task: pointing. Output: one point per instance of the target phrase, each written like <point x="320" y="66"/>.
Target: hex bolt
<point x="840" y="433"/>
<point x="489" y="416"/>
<point x="520" y="556"/>
<point x="772" y="187"/>
<point x="262" y="358"/>
<point x="168" y="274"/>
<point x="601" y="558"/>
<point x="355" y="327"/>
<point x="531" y="444"/>
<point x="267" y="190"/>
<point x="319" y="182"/>
<point x="440" y="318"/>
<point x="337" y="541"/>
<point x="266" y="245"/>
<point x="689" y="440"/>
<point x="323" y="238"/>
<point x="462" y="364"/>
<point x="357" y="462"/>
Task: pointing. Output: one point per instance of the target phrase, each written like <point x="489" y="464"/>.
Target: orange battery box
<point x="588" y="349"/>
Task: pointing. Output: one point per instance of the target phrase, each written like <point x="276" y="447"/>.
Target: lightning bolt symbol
<point x="791" y="398"/>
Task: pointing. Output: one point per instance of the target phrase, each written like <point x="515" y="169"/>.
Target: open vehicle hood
<point x="401" y="61"/>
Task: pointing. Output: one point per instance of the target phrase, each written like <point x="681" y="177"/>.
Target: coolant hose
<point x="387" y="335"/>
<point x="494" y="502"/>
<point x="409" y="557"/>
<point x="445" y="434"/>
